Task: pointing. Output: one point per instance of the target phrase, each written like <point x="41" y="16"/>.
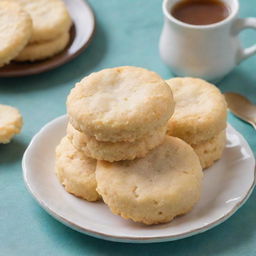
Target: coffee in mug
<point x="200" y="12"/>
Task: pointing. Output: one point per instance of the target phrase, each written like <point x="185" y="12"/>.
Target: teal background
<point x="127" y="34"/>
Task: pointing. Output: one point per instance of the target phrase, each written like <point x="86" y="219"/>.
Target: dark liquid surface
<point x="200" y="12"/>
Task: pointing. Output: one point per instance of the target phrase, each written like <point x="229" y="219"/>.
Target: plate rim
<point x="128" y="239"/>
<point x="54" y="65"/>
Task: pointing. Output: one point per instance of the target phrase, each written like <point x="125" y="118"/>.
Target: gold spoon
<point x="241" y="107"/>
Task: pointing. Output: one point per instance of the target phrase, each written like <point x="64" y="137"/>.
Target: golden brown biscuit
<point x="115" y="151"/>
<point x="200" y="110"/>
<point x="120" y="104"/>
<point x="44" y="50"/>
<point x="154" y="189"/>
<point x="15" y="30"/>
<point x="50" y="18"/>
<point x="10" y="123"/>
<point x="75" y="171"/>
<point x="211" y="150"/>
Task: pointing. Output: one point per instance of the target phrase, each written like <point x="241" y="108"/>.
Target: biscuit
<point x="115" y="151"/>
<point x="10" y="123"/>
<point x="200" y="111"/>
<point x="75" y="171"/>
<point x="120" y="104"/>
<point x="40" y="51"/>
<point x="211" y="150"/>
<point x="155" y="189"/>
<point x="15" y="30"/>
<point x="50" y="19"/>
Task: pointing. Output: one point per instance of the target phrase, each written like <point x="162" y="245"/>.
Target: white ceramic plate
<point x="227" y="185"/>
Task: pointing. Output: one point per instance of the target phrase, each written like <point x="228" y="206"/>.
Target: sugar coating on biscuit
<point x="15" y="30"/>
<point x="211" y="150"/>
<point x="120" y="104"/>
<point x="115" y="151"/>
<point x="50" y="18"/>
<point x="200" y="110"/>
<point x="155" y="189"/>
<point x="40" y="51"/>
<point x="75" y="171"/>
<point x="10" y="123"/>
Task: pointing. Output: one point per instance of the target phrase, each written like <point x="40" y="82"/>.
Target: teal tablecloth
<point x="127" y="34"/>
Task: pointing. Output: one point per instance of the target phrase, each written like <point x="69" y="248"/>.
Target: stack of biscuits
<point x="119" y="114"/>
<point x="32" y="30"/>
<point x="200" y="117"/>
<point x="116" y="148"/>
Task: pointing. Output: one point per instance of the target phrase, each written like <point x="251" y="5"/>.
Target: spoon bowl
<point x="241" y="107"/>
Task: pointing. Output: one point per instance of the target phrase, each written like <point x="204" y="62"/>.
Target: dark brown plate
<point x="81" y="35"/>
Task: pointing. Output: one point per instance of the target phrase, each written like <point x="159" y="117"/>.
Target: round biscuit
<point x="15" y="30"/>
<point x="155" y="189"/>
<point x="10" y="123"/>
<point x="200" y="110"/>
<point x="120" y="104"/>
<point x="211" y="150"/>
<point x="115" y="151"/>
<point x="39" y="51"/>
<point x="75" y="171"/>
<point x="50" y="18"/>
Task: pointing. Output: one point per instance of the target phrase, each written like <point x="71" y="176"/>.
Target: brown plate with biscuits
<point x="81" y="34"/>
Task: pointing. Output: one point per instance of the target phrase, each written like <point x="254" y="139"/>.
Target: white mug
<point x="206" y="51"/>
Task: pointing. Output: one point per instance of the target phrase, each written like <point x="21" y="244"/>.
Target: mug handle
<point x="241" y="25"/>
